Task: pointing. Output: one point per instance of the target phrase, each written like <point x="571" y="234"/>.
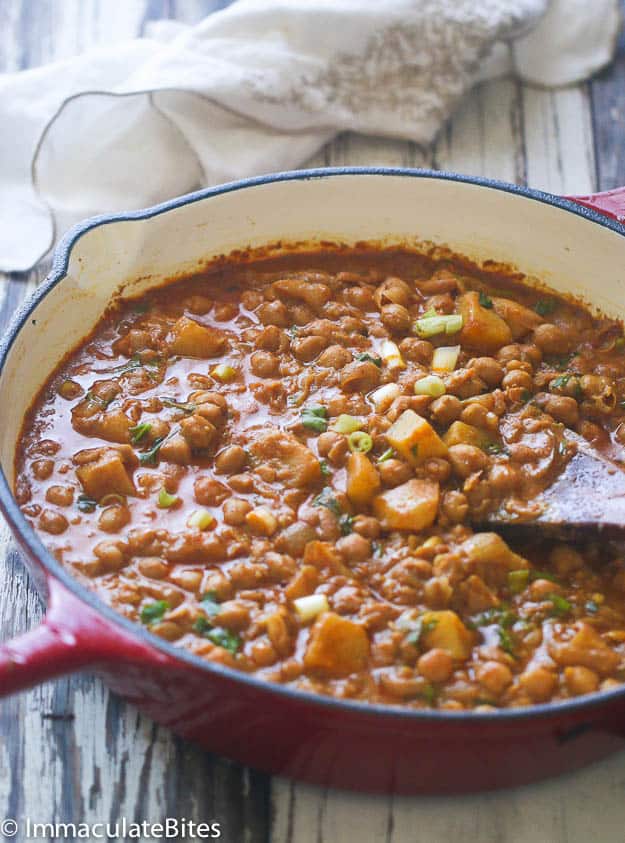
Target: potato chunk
<point x="106" y="475"/>
<point x="415" y="439"/>
<point x="411" y="506"/>
<point x="482" y="328"/>
<point x="460" y="433"/>
<point x="521" y="320"/>
<point x="190" y="339"/>
<point x="363" y="480"/>
<point x="295" y="465"/>
<point x="586" y="648"/>
<point x="491" y="559"/>
<point x="444" y="630"/>
<point x="336" y="646"/>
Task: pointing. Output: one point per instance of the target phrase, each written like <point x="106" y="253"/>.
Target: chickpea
<point x="231" y="460"/>
<point x="334" y="357"/>
<point x="436" y="665"/>
<point x="437" y="592"/>
<point x="359" y="376"/>
<point x="359" y="297"/>
<point x="243" y="483"/>
<point x="393" y="472"/>
<point x="580" y="680"/>
<point x="42" y="469"/>
<point x="445" y="410"/>
<point x="517" y="378"/>
<point x="392" y="291"/>
<point x="307" y="348"/>
<point x="60" y="495"/>
<point x="416" y="350"/>
<point x="111" y="555"/>
<point x="153" y="567"/>
<point x="552" y="339"/>
<point x="539" y="683"/>
<point x="264" y="364"/>
<point x="395" y="317"/>
<point x="488" y="369"/>
<point x="113" y="518"/>
<point x="209" y="492"/>
<point x="333" y="446"/>
<point x="294" y="538"/>
<point x="467" y="459"/>
<point x="539" y="589"/>
<point x="565" y="559"/>
<point x="563" y="409"/>
<point x="168" y="630"/>
<point x="235" y="510"/>
<point x="504" y="477"/>
<point x="271" y="338"/>
<point x="53" y="522"/>
<point x="274" y="313"/>
<point x="354" y="548"/>
<point x="494" y="677"/>
<point x="455" y="506"/>
<point x="366" y="525"/>
<point x="437" y="469"/>
<point x="189" y="579"/>
<point x="478" y="415"/>
<point x="530" y="353"/>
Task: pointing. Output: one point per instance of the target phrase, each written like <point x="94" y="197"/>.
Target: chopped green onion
<point x="506" y="641"/>
<point x="310" y="606"/>
<point x="95" y="399"/>
<point x="224" y="638"/>
<point x="325" y="468"/>
<point x="518" y="580"/>
<point x="187" y="407"/>
<point x="387" y="455"/>
<point x="561" y="606"/>
<point x="201" y="518"/>
<point x="430" y="385"/>
<point x="384" y="396"/>
<point x="150" y="457"/>
<point x="315" y="418"/>
<point x="391" y="355"/>
<point x="364" y="356"/>
<point x="139" y="431"/>
<point x="359" y="442"/>
<point x="346" y="524"/>
<point x="210" y="604"/>
<point x="85" y="503"/>
<point x="429" y="326"/>
<point x="544" y="307"/>
<point x="485" y="301"/>
<point x="445" y="358"/>
<point x="346" y="424"/>
<point x="165" y="500"/>
<point x="326" y="499"/>
<point x="224" y="373"/>
<point x="153" y="612"/>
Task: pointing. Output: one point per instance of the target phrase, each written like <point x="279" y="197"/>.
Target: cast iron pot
<point x="574" y="247"/>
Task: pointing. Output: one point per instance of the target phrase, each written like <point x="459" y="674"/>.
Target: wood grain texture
<point x="70" y="750"/>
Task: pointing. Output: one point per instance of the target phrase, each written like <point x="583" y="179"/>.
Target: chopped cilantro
<point x="592" y="607"/>
<point x="325" y="468"/>
<point x="364" y="356"/>
<point x="187" y="407"/>
<point x="485" y="301"/>
<point x="429" y="693"/>
<point x="346" y="523"/>
<point x="210" y="604"/>
<point x="151" y="457"/>
<point x="315" y="418"/>
<point x="417" y="628"/>
<point x="95" y="399"/>
<point x="506" y="641"/>
<point x="545" y="307"/>
<point x="326" y="498"/>
<point x="139" y="431"/>
<point x="561" y="606"/>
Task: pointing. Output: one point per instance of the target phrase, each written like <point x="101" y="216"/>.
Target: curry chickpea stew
<point x="282" y="464"/>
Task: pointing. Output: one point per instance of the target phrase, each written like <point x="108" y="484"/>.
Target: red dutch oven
<point x="574" y="245"/>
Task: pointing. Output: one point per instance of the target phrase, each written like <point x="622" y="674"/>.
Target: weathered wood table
<point x="70" y="751"/>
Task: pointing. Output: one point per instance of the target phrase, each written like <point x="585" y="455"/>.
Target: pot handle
<point x="71" y="636"/>
<point x="610" y="203"/>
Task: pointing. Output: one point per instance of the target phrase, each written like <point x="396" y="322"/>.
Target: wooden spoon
<point x="587" y="496"/>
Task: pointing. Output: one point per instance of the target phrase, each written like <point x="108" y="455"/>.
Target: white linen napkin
<point x="259" y="87"/>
